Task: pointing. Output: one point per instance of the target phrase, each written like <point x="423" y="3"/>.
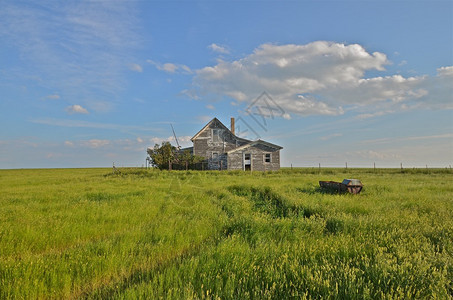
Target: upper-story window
<point x="216" y="135"/>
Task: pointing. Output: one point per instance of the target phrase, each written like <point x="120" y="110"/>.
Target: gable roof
<point x="206" y="126"/>
<point x="223" y="126"/>
<point x="277" y="147"/>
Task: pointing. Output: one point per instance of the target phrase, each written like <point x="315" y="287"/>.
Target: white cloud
<point x="184" y="141"/>
<point x="445" y="71"/>
<point x="286" y="116"/>
<point x="219" y="49"/>
<point x="136" y="68"/>
<point x="139" y="140"/>
<point x="76" y="109"/>
<point x="322" y="78"/>
<point x="69" y="144"/>
<point x="170" y="67"/>
<point x="210" y="106"/>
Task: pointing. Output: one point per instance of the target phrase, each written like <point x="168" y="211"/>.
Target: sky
<point x="92" y="83"/>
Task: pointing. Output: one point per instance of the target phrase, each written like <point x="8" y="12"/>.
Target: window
<point x="215" y="155"/>
<point x="216" y="135"/>
<point x="267" y="157"/>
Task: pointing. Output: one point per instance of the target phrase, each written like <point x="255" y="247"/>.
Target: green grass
<point x="88" y="233"/>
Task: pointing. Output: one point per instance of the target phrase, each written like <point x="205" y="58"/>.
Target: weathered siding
<point x="215" y="140"/>
<point x="205" y="144"/>
<point x="258" y="151"/>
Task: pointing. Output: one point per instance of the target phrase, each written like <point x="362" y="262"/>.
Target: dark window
<point x="267" y="157"/>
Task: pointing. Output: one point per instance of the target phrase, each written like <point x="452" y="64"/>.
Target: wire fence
<point x="373" y="165"/>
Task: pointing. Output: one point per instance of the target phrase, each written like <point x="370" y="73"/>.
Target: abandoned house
<point x="224" y="150"/>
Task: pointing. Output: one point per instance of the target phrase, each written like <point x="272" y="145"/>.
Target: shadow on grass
<point x="318" y="190"/>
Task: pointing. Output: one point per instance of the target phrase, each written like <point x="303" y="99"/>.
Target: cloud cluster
<point x="323" y="78"/>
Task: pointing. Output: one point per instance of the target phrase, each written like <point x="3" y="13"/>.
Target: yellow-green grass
<point x="88" y="233"/>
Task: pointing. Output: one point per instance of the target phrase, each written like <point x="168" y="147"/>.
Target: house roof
<point x="206" y="126"/>
<point x="221" y="124"/>
<point x="277" y="147"/>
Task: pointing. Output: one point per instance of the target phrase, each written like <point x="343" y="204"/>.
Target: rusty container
<point x="353" y="186"/>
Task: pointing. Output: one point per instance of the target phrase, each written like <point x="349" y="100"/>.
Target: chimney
<point x="232" y="125"/>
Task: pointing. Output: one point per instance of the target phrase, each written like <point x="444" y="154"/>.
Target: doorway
<point x="247" y="162"/>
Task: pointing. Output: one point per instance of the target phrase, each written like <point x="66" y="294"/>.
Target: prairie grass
<point x="88" y="233"/>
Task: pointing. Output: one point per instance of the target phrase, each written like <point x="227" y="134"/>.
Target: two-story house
<point x="224" y="150"/>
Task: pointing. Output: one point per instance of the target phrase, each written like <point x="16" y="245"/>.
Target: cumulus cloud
<point x="219" y="49"/>
<point x="321" y="78"/>
<point x="445" y="71"/>
<point x="76" y="109"/>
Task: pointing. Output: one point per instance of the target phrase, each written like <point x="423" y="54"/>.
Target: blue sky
<point x="89" y="83"/>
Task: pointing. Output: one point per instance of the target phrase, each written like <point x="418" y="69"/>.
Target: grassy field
<point x="88" y="233"/>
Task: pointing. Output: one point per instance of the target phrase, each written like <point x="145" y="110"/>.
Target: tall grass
<point x="89" y="233"/>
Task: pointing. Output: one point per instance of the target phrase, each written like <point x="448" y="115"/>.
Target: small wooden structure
<point x="353" y="186"/>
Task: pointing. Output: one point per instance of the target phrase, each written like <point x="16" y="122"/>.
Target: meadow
<point x="89" y="233"/>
